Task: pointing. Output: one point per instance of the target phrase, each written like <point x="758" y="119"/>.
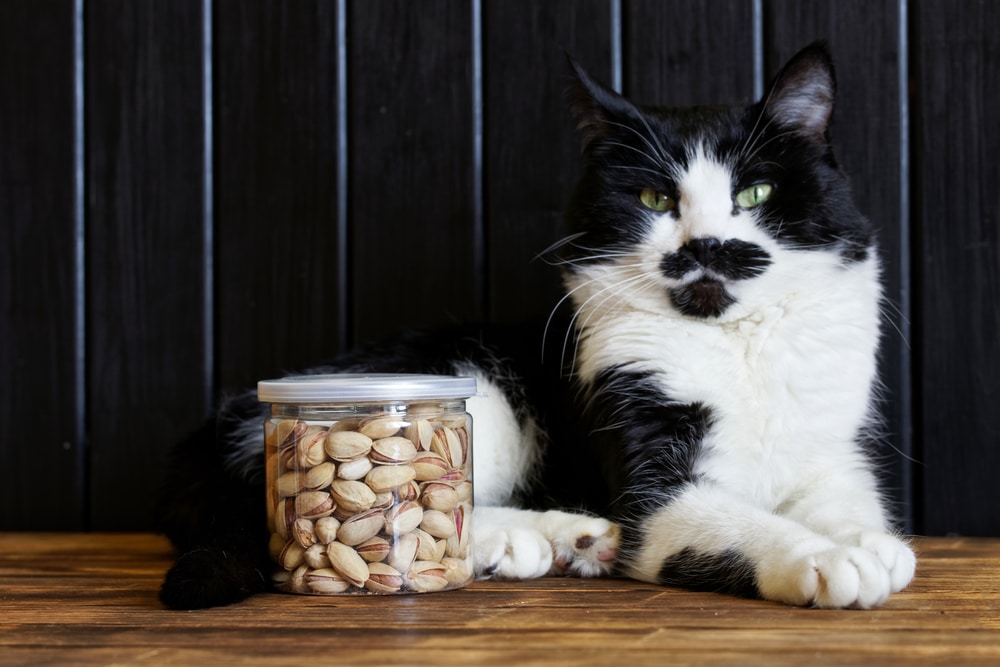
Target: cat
<point x="703" y="417"/>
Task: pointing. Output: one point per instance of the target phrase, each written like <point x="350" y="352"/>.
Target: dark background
<point x="198" y="194"/>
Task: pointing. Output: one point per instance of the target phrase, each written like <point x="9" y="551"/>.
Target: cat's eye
<point x="657" y="201"/>
<point x="755" y="195"/>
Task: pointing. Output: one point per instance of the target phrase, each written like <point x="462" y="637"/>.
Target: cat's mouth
<point x="704" y="297"/>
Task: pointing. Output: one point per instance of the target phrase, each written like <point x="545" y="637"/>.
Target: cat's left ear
<point x="801" y="97"/>
<point x="600" y="111"/>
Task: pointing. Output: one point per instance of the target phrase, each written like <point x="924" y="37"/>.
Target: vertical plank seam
<point x="208" y="205"/>
<point x="482" y="262"/>
<point x="757" y="10"/>
<point x="344" y="325"/>
<point x="82" y="454"/>
<point x="617" y="65"/>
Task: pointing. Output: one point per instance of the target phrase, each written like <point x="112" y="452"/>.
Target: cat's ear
<point x="599" y="111"/>
<point x="801" y="97"/>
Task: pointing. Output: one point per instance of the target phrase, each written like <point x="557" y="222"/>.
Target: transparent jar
<point x="369" y="483"/>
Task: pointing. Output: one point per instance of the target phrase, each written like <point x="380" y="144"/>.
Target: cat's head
<point x="691" y="205"/>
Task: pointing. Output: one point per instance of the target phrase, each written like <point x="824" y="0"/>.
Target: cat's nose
<point x="704" y="250"/>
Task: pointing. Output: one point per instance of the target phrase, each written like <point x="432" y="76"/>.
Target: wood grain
<point x="89" y="599"/>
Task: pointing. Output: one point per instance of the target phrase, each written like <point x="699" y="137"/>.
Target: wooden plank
<point x="683" y="52"/>
<point x="415" y="254"/>
<point x="957" y="66"/>
<point x="100" y="607"/>
<point x="41" y="443"/>
<point x="863" y="36"/>
<point x="532" y="152"/>
<point x="279" y="292"/>
<point x="145" y="247"/>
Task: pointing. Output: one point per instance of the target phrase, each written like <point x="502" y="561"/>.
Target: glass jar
<point x="369" y="482"/>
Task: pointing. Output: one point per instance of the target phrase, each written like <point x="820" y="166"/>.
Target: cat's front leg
<point x="708" y="539"/>
<point x="510" y="543"/>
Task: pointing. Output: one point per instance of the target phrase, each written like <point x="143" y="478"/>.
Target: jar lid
<point x="353" y="387"/>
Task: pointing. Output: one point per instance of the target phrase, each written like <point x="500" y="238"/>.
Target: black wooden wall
<point x="197" y="194"/>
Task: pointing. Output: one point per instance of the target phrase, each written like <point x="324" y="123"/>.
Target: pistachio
<point x="427" y="576"/>
<point x="382" y="427"/>
<point x="287" y="484"/>
<point x="346" y="445"/>
<point x="392" y="450"/>
<point x="304" y="532"/>
<point x="374" y="549"/>
<point x="314" y="504"/>
<point x="448" y="446"/>
<point x="351" y="495"/>
<point x="275" y="545"/>
<point x="385" y="500"/>
<point x="291" y="555"/>
<point x="309" y="451"/>
<point x="429" y="466"/>
<point x="325" y="581"/>
<point x="439" y="496"/>
<point x="438" y="524"/>
<point x="403" y="518"/>
<point x="347" y="563"/>
<point x="426" y="544"/>
<point x="387" y="478"/>
<point x="360" y="527"/>
<point x="284" y="517"/>
<point x="319" y="477"/>
<point x="326" y="529"/>
<point x="403" y="551"/>
<point x="383" y="578"/>
<point x="456" y="570"/>
<point x="457" y="545"/>
<point x="463" y="489"/>
<point x="298" y="579"/>
<point x="356" y="469"/>
<point x="288" y="431"/>
<point x="420" y="433"/>
<point x="315" y="556"/>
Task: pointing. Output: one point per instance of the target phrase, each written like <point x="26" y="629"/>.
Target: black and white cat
<point x="712" y="394"/>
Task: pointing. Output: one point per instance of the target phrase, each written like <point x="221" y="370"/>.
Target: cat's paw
<point x="582" y="545"/>
<point x="510" y="552"/>
<point x="836" y="578"/>
<point x="895" y="555"/>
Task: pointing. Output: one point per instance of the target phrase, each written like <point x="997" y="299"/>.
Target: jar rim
<point x="355" y="387"/>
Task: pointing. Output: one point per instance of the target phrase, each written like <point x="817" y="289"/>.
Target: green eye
<point x="755" y="195"/>
<point x="656" y="201"/>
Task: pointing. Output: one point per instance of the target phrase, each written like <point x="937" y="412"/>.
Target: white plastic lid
<point x="350" y="388"/>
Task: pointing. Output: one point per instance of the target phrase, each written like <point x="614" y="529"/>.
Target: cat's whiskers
<point x="658" y="149"/>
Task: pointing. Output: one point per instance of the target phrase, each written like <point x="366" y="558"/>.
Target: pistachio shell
<point x="361" y="527"/>
<point x="284" y="517"/>
<point x="351" y="495"/>
<point x="382" y="427"/>
<point x="403" y="518"/>
<point x="420" y="433"/>
<point x="387" y="478"/>
<point x="326" y="529"/>
<point x="458" y="571"/>
<point x="457" y="545"/>
<point x="288" y="431"/>
<point x="304" y="532"/>
<point x="447" y="444"/>
<point x="439" y="496"/>
<point x="426" y="545"/>
<point x="356" y="469"/>
<point x="291" y="556"/>
<point x="346" y="445"/>
<point x="315" y="556"/>
<point x="314" y="504"/>
<point x="319" y="477"/>
<point x="403" y="551"/>
<point x="438" y="524"/>
<point x="275" y="545"/>
<point x="287" y="484"/>
<point x="374" y="549"/>
<point x="429" y="466"/>
<point x="392" y="450"/>
<point x="309" y="451"/>
<point x="383" y="578"/>
<point x="427" y="576"/>
<point x="326" y="581"/>
<point x="408" y="491"/>
<point x="347" y="563"/>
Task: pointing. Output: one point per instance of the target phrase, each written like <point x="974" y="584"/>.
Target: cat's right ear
<point x="599" y="111"/>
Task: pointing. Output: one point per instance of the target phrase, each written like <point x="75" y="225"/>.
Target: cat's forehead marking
<point x="705" y="188"/>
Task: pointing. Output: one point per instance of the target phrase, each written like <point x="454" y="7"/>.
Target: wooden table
<point x="90" y="599"/>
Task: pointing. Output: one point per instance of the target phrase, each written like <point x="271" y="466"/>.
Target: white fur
<point x="787" y="372"/>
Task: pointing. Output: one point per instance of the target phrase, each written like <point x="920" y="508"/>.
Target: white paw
<point x="894" y="554"/>
<point x="510" y="552"/>
<point x="835" y="578"/>
<point x="582" y="545"/>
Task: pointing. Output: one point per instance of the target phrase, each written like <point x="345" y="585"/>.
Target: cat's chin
<point x="705" y="297"/>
